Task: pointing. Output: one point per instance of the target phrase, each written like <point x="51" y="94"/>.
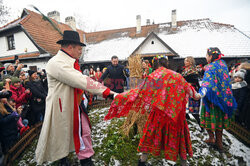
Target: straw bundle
<point x="135" y="66"/>
<point x="134" y="118"/>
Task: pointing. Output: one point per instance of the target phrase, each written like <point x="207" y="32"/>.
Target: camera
<point x="16" y="58"/>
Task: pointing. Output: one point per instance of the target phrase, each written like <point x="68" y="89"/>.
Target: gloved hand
<point x="112" y="96"/>
<point x="115" y="94"/>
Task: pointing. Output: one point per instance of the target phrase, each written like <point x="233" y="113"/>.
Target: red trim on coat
<point x="106" y="93"/>
<point x="76" y="123"/>
<point x="60" y="104"/>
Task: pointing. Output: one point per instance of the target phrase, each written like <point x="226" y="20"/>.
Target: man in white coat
<point x="66" y="127"/>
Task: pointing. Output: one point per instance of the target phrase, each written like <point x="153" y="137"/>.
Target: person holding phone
<point x="11" y="71"/>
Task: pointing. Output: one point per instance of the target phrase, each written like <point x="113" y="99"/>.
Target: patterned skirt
<point x="216" y="119"/>
<point x="160" y="133"/>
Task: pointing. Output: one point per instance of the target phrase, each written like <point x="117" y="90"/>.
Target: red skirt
<point x="161" y="133"/>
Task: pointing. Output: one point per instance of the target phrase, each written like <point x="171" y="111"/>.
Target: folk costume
<point x="218" y="102"/>
<point x="163" y="95"/>
<point x="191" y="75"/>
<point x="61" y="130"/>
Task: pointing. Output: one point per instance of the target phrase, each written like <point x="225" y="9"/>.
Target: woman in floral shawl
<point x="218" y="102"/>
<point x="164" y="95"/>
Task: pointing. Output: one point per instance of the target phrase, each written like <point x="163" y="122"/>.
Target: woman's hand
<point x="112" y="94"/>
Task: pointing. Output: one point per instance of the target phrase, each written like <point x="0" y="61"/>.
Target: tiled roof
<point x="190" y="38"/>
<point x="103" y="44"/>
<point x="95" y="37"/>
<point x="43" y="33"/>
<point x="28" y="55"/>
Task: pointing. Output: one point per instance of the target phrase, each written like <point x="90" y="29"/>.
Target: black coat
<point x="193" y="79"/>
<point x="8" y="129"/>
<point x="240" y="96"/>
<point x="117" y="77"/>
<point x="36" y="107"/>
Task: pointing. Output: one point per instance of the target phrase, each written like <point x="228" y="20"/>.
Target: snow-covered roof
<point x="194" y="38"/>
<point x="191" y="38"/>
<point x="103" y="51"/>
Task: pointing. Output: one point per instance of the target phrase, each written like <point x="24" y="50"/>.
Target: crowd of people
<point x="22" y="101"/>
<point x="213" y="94"/>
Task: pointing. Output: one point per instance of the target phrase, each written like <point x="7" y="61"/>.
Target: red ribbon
<point x="219" y="57"/>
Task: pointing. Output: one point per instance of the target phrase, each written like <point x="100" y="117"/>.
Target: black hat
<point x="70" y="37"/>
<point x="31" y="72"/>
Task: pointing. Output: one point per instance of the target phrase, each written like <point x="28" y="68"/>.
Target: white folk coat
<point x="56" y="137"/>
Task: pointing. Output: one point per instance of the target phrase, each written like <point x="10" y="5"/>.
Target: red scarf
<point x="77" y="100"/>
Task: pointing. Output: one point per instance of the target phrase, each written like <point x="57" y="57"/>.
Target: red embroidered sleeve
<point x="106" y="93"/>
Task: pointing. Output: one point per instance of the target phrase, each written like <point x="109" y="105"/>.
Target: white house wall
<point x="149" y="48"/>
<point x="41" y="64"/>
<point x="22" y="43"/>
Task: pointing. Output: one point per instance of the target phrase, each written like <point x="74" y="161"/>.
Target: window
<point x="152" y="42"/>
<point x="11" y="42"/>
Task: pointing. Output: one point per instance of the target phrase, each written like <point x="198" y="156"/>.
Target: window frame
<point x="11" y="42"/>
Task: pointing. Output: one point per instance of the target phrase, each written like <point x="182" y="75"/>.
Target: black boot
<point x="87" y="162"/>
<point x="64" y="162"/>
<point x="143" y="163"/>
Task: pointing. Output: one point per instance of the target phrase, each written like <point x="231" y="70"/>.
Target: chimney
<point x="138" y="24"/>
<point x="148" y="22"/>
<point x="70" y="20"/>
<point x="54" y="15"/>
<point x="174" y="23"/>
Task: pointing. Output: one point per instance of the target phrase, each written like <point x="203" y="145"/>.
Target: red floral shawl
<point x="164" y="89"/>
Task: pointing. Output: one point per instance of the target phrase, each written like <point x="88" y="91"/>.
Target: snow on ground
<point x="237" y="154"/>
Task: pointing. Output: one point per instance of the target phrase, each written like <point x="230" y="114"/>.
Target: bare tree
<point x="4" y="13"/>
<point x="85" y="23"/>
<point x="81" y="24"/>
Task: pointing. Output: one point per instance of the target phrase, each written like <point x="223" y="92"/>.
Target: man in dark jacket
<point x="37" y="101"/>
<point x="115" y="72"/>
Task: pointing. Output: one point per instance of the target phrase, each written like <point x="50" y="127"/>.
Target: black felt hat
<point x="70" y="37"/>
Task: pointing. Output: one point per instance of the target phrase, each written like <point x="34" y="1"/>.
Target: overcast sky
<point x="113" y="14"/>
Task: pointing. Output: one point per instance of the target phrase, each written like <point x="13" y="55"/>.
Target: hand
<point x="197" y="96"/>
<point x="8" y="80"/>
<point x="17" y="62"/>
<point x="20" y="66"/>
<point x="115" y="94"/>
<point x="27" y="91"/>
